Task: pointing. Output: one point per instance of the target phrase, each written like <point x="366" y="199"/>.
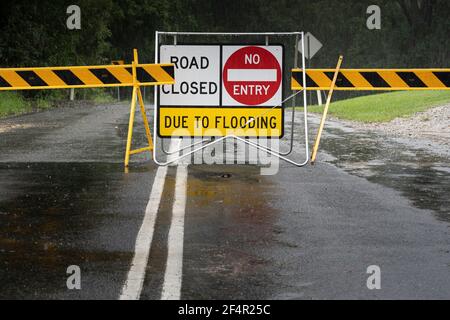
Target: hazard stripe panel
<point x="86" y="76"/>
<point x="373" y="79"/>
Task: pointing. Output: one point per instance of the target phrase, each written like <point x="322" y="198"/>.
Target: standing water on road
<point x="423" y="177"/>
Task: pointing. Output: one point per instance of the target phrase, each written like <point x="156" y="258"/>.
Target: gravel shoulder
<point x="428" y="129"/>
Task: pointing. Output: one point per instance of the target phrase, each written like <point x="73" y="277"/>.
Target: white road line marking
<point x="135" y="279"/>
<point x="174" y="267"/>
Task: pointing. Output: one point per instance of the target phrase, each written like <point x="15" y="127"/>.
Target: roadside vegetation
<point x="110" y="29"/>
<point x="20" y="102"/>
<point x="385" y="107"/>
<point x="12" y="103"/>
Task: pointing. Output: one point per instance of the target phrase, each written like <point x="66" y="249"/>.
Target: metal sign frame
<point x="207" y="142"/>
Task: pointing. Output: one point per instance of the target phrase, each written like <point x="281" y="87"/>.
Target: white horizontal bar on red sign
<point x="257" y="75"/>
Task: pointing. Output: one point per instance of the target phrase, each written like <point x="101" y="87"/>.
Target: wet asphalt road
<point x="305" y="233"/>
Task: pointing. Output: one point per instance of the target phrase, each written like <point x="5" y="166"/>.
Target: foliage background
<point x="414" y="33"/>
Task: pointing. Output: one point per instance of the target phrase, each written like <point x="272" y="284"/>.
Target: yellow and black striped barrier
<point x="116" y="75"/>
<point x="85" y="76"/>
<point x="373" y="79"/>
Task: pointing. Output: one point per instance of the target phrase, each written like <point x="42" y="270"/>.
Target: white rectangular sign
<point x="197" y="70"/>
<point x="242" y="75"/>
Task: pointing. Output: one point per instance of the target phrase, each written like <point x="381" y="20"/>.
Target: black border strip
<point x="411" y="79"/>
<point x="32" y="78"/>
<point x="68" y="77"/>
<point x="104" y="76"/>
<point x="143" y="76"/>
<point x="341" y="81"/>
<point x="4" y="83"/>
<point x="310" y="83"/>
<point x="170" y="70"/>
<point x="375" y="79"/>
<point x="443" y="76"/>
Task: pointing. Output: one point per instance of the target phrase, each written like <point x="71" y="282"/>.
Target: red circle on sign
<point x="253" y="87"/>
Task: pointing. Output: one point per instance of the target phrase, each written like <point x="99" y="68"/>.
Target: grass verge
<point x="14" y="102"/>
<point x="385" y="107"/>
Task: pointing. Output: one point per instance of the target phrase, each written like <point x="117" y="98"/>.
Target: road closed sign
<point x="198" y="76"/>
<point x="222" y="90"/>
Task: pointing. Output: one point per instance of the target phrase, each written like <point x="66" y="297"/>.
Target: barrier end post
<point x="325" y="111"/>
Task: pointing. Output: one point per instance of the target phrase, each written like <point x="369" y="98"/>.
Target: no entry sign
<point x="252" y="76"/>
<point x="221" y="90"/>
